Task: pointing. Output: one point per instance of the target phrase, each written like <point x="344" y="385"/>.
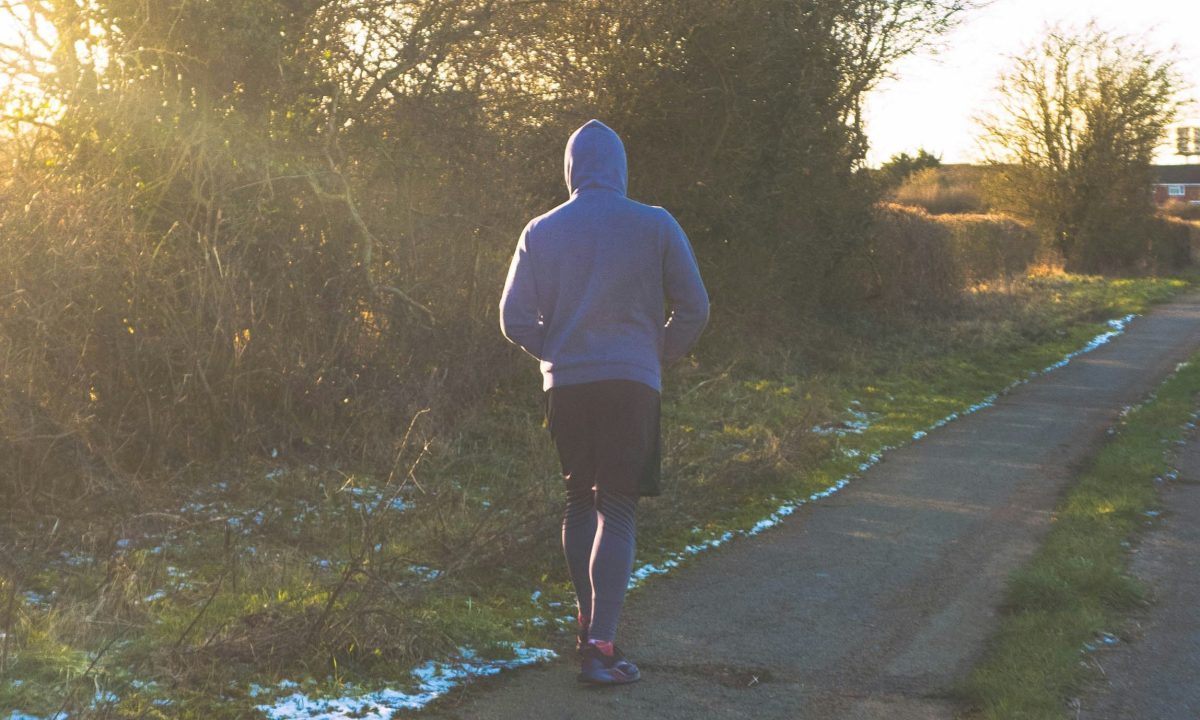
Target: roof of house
<point x="1176" y="174"/>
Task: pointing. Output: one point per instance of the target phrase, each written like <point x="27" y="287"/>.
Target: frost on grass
<point x="367" y="499"/>
<point x="432" y="680"/>
<point x="425" y="572"/>
<point x="857" y="423"/>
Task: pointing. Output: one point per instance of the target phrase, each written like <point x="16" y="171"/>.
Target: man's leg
<point x="611" y="561"/>
<point x="578" y="536"/>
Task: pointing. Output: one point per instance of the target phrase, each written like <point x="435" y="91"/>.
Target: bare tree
<point x="1080" y="116"/>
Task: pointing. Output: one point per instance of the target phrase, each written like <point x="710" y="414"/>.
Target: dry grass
<point x="945" y="189"/>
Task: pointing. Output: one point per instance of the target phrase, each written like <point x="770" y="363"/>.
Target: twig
<point x="721" y="375"/>
<point x="211" y="597"/>
<point x="404" y="446"/>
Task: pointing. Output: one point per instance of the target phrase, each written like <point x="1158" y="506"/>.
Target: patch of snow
<point x="366" y="499"/>
<point x="1118" y="326"/>
<point x="36" y="598"/>
<point x="74" y="559"/>
<point x="433" y="680"/>
<point x="426" y="573"/>
<point x="1102" y="640"/>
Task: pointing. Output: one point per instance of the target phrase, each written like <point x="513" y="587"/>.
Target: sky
<point x="932" y="101"/>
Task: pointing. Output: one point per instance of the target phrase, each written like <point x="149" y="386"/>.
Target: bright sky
<point x="933" y="100"/>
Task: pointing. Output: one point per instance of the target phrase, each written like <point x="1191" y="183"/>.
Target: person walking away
<point x="604" y="292"/>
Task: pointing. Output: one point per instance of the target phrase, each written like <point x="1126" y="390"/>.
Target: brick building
<point x="1177" y="182"/>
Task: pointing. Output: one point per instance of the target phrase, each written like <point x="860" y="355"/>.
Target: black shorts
<point x="607" y="435"/>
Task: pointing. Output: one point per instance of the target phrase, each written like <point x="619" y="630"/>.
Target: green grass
<point x="1076" y="587"/>
<point x="240" y="575"/>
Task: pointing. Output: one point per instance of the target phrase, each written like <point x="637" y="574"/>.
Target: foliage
<point x="1081" y="115"/>
<point x="994" y="248"/>
<point x="900" y="166"/>
<point x="946" y="189"/>
<point x="1170" y="242"/>
<point x="1181" y="209"/>
<point x="912" y="261"/>
<point x="242" y="227"/>
<point x="922" y="261"/>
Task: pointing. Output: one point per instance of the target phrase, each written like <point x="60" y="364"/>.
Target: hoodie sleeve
<point x="687" y="300"/>
<point x="520" y="317"/>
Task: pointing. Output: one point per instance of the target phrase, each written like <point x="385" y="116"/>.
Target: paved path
<point x="1155" y="675"/>
<point x="874" y="602"/>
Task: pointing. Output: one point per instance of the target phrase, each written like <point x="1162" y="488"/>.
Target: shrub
<point x="925" y="261"/>
<point x="910" y="262"/>
<point x="992" y="246"/>
<point x="1171" y="243"/>
<point x="944" y="190"/>
<point x="1181" y="209"/>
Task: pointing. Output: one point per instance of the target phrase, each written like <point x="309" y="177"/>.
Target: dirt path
<point x="874" y="602"/>
<point x="1154" y="675"/>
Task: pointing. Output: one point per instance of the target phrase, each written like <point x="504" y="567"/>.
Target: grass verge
<point x="1076" y="590"/>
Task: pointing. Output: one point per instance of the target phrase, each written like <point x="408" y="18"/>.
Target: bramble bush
<point x="284" y="230"/>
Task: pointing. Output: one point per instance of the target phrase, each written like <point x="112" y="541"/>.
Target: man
<point x="604" y="291"/>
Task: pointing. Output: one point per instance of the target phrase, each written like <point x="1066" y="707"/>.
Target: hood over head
<point x="595" y="159"/>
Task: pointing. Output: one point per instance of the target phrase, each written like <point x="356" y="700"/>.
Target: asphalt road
<point x="1154" y="673"/>
<point x="874" y="602"/>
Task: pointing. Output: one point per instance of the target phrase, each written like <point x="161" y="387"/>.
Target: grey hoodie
<point x="602" y="287"/>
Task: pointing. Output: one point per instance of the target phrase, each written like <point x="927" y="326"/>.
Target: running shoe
<point x="600" y="669"/>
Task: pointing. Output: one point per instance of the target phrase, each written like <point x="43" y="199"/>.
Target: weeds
<point x="946" y="190"/>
